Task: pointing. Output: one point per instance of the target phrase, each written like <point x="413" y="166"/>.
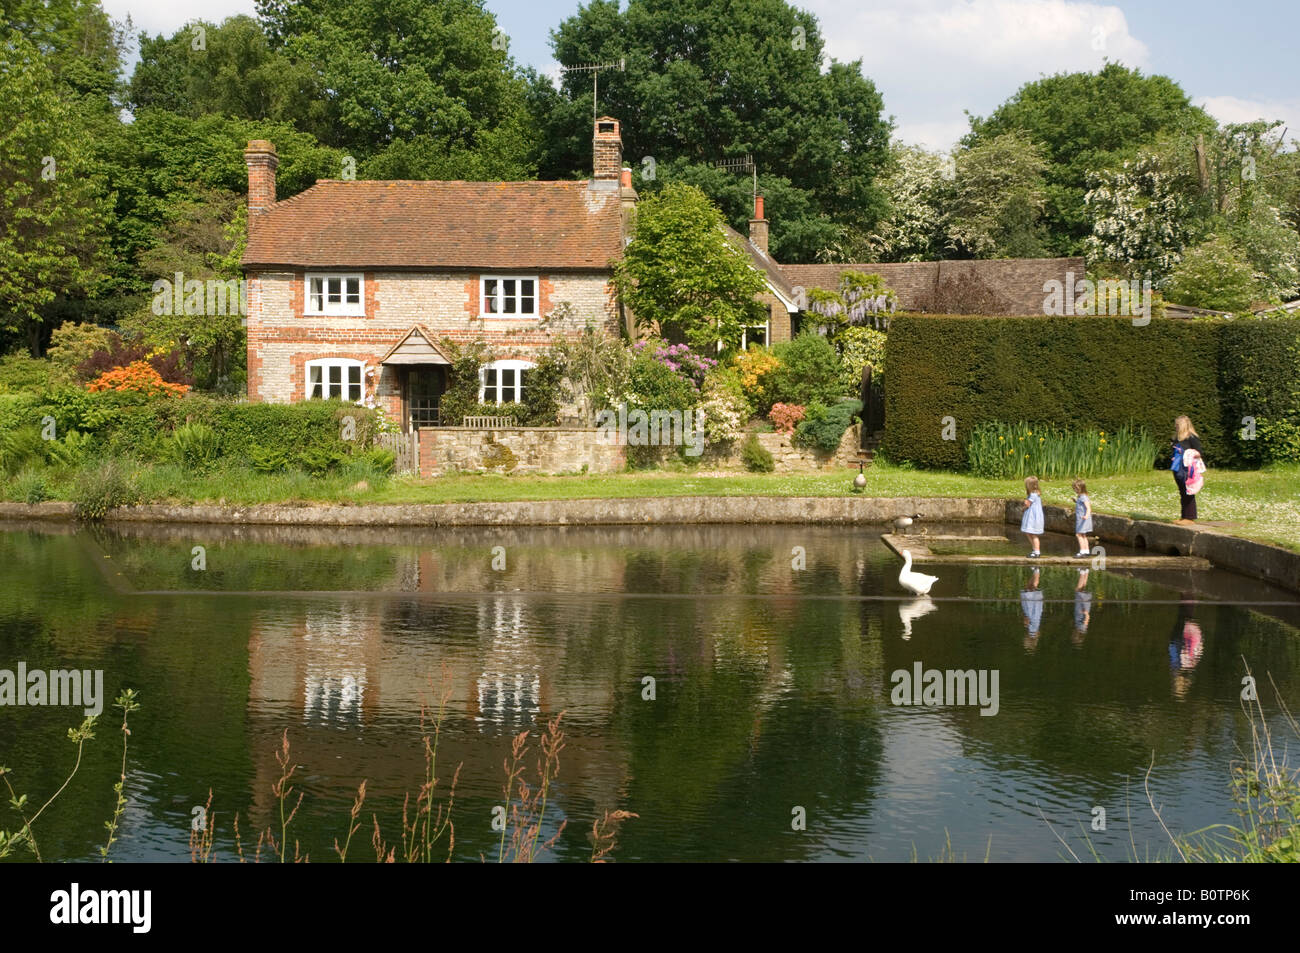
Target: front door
<point x="424" y="387"/>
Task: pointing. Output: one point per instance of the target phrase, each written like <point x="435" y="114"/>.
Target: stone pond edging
<point x="1250" y="558"/>
<point x="1259" y="560"/>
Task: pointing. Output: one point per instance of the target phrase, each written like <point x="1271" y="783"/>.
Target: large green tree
<point x="228" y="69"/>
<point x="1086" y="122"/>
<point x="711" y="80"/>
<point x="998" y="198"/>
<point x="53" y="210"/>
<point x="684" y="274"/>
<point x="404" y="73"/>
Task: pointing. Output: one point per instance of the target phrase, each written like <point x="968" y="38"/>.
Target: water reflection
<point x="770" y="685"/>
<point x="1186" y="646"/>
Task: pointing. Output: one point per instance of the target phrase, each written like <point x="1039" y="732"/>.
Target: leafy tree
<point x="1147" y="209"/>
<point x="228" y="69"/>
<point x="918" y="188"/>
<point x="998" y="199"/>
<point x="404" y="70"/>
<point x="809" y="372"/>
<point x="52" y="211"/>
<point x="78" y="43"/>
<point x="1214" y="275"/>
<point x="683" y="274"/>
<point x="1086" y="122"/>
<point x="709" y="80"/>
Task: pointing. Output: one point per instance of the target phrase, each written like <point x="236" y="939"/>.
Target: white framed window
<point x="336" y="378"/>
<point x="508" y="295"/>
<point x="335" y="294"/>
<point x="502" y="382"/>
<point x="755" y="335"/>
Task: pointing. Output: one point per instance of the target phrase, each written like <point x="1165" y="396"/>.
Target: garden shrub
<point x="195" y="446"/>
<point x="21" y="448"/>
<point x="823" y="427"/>
<point x="859" y="347"/>
<point x="30" y="487"/>
<point x="785" y="417"/>
<point x="755" y="456"/>
<point x="1072" y="373"/>
<point x="755" y="369"/>
<point x="724" y="410"/>
<point x="21" y="372"/>
<point x="809" y="371"/>
<point x="107" y="484"/>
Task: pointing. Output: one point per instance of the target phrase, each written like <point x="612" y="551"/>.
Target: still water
<point x="771" y="688"/>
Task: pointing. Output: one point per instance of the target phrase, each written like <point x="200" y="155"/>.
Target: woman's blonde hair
<point x="1183" y="428"/>
<point x="1031" y="484"/>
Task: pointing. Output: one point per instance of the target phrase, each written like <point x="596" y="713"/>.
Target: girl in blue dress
<point x="1082" y="518"/>
<point x="1031" y="524"/>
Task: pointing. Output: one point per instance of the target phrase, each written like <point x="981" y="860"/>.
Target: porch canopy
<point x="415" y="347"/>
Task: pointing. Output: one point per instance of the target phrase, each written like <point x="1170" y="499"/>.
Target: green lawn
<point x="1265" y="503"/>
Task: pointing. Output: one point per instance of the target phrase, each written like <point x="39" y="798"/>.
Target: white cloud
<point x="1233" y="109"/>
<point x="168" y="16"/>
<point x="933" y="58"/>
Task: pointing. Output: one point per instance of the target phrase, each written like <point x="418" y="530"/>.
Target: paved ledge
<point x="921" y="554"/>
<point x="1262" y="561"/>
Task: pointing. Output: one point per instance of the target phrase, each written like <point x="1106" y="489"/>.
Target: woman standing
<point x="1185" y="439"/>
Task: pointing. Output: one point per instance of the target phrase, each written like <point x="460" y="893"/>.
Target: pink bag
<point x="1194" y="467"/>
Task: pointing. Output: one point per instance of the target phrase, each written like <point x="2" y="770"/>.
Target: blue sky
<point x="932" y="59"/>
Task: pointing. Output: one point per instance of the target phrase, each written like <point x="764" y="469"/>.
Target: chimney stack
<point x="606" y="150"/>
<point x="758" y="226"/>
<point x="262" y="162"/>
<point x="627" y="199"/>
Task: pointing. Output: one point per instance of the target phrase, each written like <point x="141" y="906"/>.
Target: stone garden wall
<point x="517" y="450"/>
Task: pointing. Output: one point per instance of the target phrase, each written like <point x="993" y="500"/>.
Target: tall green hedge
<point x="1070" y="372"/>
<point x="1259" y="377"/>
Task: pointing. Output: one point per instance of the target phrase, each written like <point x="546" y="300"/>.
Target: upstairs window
<point x="335" y="378"/>
<point x="502" y="295"/>
<point x="502" y="382"/>
<point x="336" y="294"/>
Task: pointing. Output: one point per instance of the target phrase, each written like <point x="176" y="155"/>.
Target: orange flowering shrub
<point x="754" y="367"/>
<point x="138" y="377"/>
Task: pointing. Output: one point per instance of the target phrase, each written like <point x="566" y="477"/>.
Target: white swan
<point x="917" y="583"/>
<point x="909" y="612"/>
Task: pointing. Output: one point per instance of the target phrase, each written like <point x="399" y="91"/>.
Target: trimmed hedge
<point x="126" y="424"/>
<point x="1259" y="377"/>
<point x="1066" y="372"/>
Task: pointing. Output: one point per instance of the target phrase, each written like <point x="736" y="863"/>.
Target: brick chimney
<point x="262" y="161"/>
<point x="606" y="150"/>
<point x="758" y="226"/>
<point x="627" y="199"/>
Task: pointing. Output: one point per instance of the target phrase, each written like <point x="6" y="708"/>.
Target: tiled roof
<point x="1016" y="282"/>
<point x="763" y="262"/>
<point x="457" y="225"/>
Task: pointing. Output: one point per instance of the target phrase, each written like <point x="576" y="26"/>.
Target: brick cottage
<point x="352" y="285"/>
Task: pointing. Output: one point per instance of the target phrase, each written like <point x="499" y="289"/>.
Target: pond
<point x="728" y="684"/>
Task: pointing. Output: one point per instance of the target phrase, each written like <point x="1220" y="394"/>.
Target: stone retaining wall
<point x="557" y="450"/>
<point x="517" y="450"/>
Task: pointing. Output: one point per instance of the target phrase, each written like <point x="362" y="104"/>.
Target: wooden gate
<point x="405" y="447"/>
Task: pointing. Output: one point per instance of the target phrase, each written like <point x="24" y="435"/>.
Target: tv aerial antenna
<point x="594" y="69"/>
<point x="740" y="165"/>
